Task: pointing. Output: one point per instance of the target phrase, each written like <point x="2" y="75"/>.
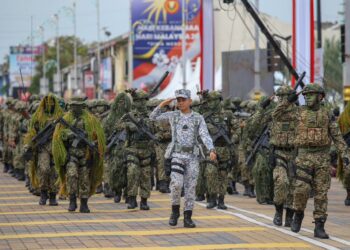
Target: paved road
<point x="245" y="225"/>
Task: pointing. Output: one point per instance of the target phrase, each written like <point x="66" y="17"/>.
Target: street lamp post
<point x="98" y="85"/>
<point x="42" y="30"/>
<point x="56" y="18"/>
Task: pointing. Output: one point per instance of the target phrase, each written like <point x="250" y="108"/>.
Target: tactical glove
<point x="265" y="103"/>
<point x="292" y="98"/>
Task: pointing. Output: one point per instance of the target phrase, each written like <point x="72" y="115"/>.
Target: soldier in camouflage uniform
<point x="139" y="151"/>
<point x="115" y="157"/>
<point x="4" y="134"/>
<point x="183" y="152"/>
<point x="315" y="130"/>
<point x="221" y="125"/>
<point x="10" y="137"/>
<point x="79" y="166"/>
<point x="42" y="171"/>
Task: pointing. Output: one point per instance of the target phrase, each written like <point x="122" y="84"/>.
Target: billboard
<point x="23" y="58"/>
<point x="106" y="73"/>
<point x="157" y="40"/>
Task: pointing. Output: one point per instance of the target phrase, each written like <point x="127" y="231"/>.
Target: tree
<point x="66" y="59"/>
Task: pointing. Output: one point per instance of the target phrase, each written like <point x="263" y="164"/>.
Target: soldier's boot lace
<point x="84" y="206"/>
<point x="143" y="204"/>
<point x="297" y="220"/>
<point x="52" y="199"/>
<point x="72" y="203"/>
<point x="10" y="171"/>
<point x="200" y="197"/>
<point x="234" y="189"/>
<point x="347" y="200"/>
<point x="211" y="201"/>
<point x="277" y="220"/>
<point x="289" y="217"/>
<point x="251" y="192"/>
<point x="221" y="202"/>
<point x="6" y="168"/>
<point x="117" y="198"/>
<point x="43" y="197"/>
<point x="99" y="189"/>
<point x="107" y="191"/>
<point x="175" y="214"/>
<point x="132" y="203"/>
<point x="20" y="175"/>
<point x="188" y="222"/>
<point x="319" y="231"/>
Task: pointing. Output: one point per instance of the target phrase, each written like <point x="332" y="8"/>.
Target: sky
<point x="15" y="18"/>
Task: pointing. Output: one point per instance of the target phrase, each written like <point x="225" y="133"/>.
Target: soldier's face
<point x="311" y="99"/>
<point x="183" y="104"/>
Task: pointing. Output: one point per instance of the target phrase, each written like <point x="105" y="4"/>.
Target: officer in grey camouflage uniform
<point x="183" y="152"/>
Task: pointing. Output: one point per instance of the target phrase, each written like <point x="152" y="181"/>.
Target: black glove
<point x="265" y="103"/>
<point x="292" y="98"/>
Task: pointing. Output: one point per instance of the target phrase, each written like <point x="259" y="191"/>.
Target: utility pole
<point x="319" y="25"/>
<point x="41" y="28"/>
<point x="75" y="44"/>
<point x="184" y="14"/>
<point x="58" y="69"/>
<point x="98" y="86"/>
<point x="257" y="85"/>
<point x="346" y="65"/>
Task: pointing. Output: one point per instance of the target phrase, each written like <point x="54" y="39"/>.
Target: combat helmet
<point x="313" y="88"/>
<point x="236" y="101"/>
<point x="78" y="100"/>
<point x="20" y="106"/>
<point x="284" y="90"/>
<point x="213" y="95"/>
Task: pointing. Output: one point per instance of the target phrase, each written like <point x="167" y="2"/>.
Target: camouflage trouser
<point x="283" y="178"/>
<point x="312" y="169"/>
<point x="7" y="154"/>
<point x="234" y="174"/>
<point x="246" y="173"/>
<point x="216" y="173"/>
<point x="106" y="172"/>
<point x="262" y="174"/>
<point x="138" y="162"/>
<point x="184" y="174"/>
<point x="46" y="172"/>
<point x="117" y="170"/>
<point x="346" y="179"/>
<point x="201" y="187"/>
<point x="78" y="175"/>
<point x="160" y="151"/>
<point x="18" y="161"/>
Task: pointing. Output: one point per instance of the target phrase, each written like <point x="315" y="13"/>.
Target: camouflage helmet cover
<point x="284" y="90"/>
<point x="213" y="95"/>
<point x="313" y="88"/>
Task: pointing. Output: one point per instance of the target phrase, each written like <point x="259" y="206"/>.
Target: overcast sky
<point x="15" y="16"/>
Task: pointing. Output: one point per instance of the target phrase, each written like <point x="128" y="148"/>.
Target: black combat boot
<point x="10" y="171"/>
<point x="6" y="167"/>
<point x="251" y="192"/>
<point x="297" y="220"/>
<point x="27" y="180"/>
<point x="143" y="204"/>
<point x="132" y="203"/>
<point x="200" y="197"/>
<point x="211" y="201"/>
<point x="277" y="220"/>
<point x="234" y="189"/>
<point x="117" y="197"/>
<point x="347" y="200"/>
<point x="175" y="214"/>
<point x="14" y="172"/>
<point x="188" y="222"/>
<point x="164" y="187"/>
<point x="43" y="197"/>
<point x="246" y="189"/>
<point x="20" y="175"/>
<point x="72" y="203"/>
<point x="99" y="189"/>
<point x="229" y="188"/>
<point x="36" y="192"/>
<point x="289" y="217"/>
<point x="84" y="206"/>
<point x="319" y="231"/>
<point x="221" y="202"/>
<point x="107" y="191"/>
<point x="52" y="199"/>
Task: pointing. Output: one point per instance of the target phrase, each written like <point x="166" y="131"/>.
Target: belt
<point x="183" y="149"/>
<point x="313" y="149"/>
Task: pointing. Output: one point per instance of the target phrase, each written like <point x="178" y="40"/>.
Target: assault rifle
<point x="140" y="126"/>
<point x="260" y="142"/>
<point x="115" y="139"/>
<point x="222" y="132"/>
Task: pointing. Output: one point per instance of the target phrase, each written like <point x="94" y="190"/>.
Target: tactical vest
<point x="282" y="131"/>
<point x="312" y="128"/>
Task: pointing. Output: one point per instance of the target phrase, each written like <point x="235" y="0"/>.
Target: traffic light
<point x="274" y="62"/>
<point x="342" y="42"/>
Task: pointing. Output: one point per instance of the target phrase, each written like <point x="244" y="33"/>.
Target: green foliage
<point x="333" y="68"/>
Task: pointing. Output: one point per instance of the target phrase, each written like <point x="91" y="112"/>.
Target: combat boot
<point x="164" y="187"/>
<point x="52" y="199"/>
<point x="234" y="189"/>
<point x="297" y="220"/>
<point x="175" y="214"/>
<point x="84" y="206"/>
<point x="117" y="197"/>
<point x="14" y="172"/>
<point x="20" y="175"/>
<point x="211" y="201"/>
<point x="188" y="219"/>
<point x="36" y="192"/>
<point x="200" y="197"/>
<point x="277" y="220"/>
<point x="229" y="188"/>
<point x="99" y="189"/>
<point x="251" y="192"/>
<point x="43" y="197"/>
<point x="143" y="204"/>
<point x="246" y="189"/>
<point x="132" y="203"/>
<point x="347" y="200"/>
<point x="10" y="171"/>
<point x="289" y="217"/>
<point x="319" y="231"/>
<point x="107" y="191"/>
<point x="27" y="180"/>
<point x="72" y="203"/>
<point x="6" y="167"/>
<point x="221" y="203"/>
